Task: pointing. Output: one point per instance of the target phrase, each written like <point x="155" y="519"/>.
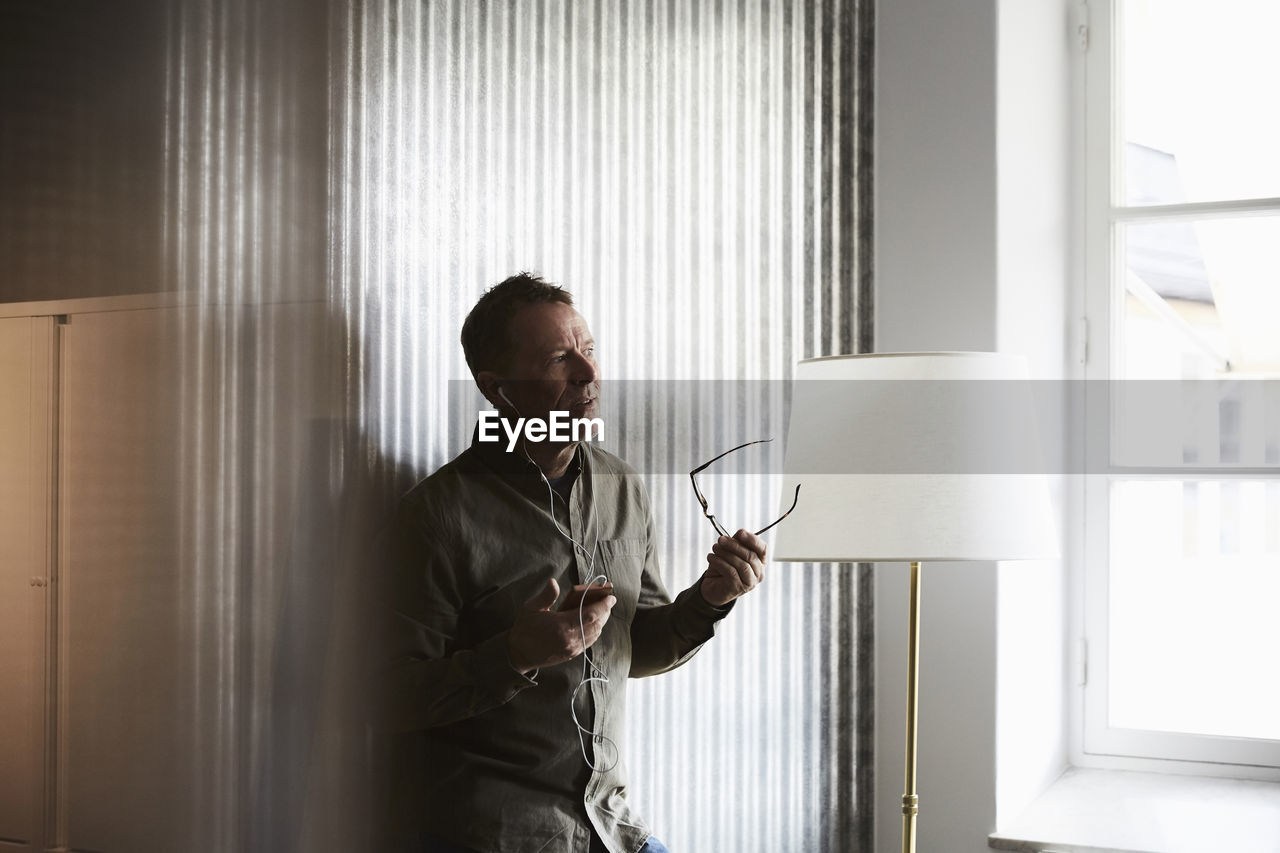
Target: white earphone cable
<point x="590" y="672"/>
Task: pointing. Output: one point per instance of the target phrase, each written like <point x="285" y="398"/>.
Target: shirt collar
<point x="515" y="464"/>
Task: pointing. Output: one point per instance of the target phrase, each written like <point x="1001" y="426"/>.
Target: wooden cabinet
<point x="96" y="701"/>
<point x="26" y="565"/>
<point x="176" y="625"/>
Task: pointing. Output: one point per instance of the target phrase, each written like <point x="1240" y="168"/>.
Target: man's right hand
<point x="543" y="637"/>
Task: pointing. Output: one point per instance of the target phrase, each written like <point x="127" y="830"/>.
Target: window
<point x="1182" y="267"/>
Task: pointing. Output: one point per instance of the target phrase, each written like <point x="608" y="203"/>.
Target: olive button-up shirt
<point x="486" y="757"/>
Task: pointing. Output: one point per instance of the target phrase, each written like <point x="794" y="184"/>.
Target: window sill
<point x="1118" y="811"/>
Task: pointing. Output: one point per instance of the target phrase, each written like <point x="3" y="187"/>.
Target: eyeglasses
<point x="707" y="510"/>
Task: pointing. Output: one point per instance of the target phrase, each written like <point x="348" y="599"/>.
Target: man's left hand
<point x="735" y="566"/>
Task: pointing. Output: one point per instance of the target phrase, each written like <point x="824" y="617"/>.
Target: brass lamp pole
<point x="911" y="802"/>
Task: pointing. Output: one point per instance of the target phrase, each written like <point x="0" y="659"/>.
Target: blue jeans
<point x="430" y="845"/>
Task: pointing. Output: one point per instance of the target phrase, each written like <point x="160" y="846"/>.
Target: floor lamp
<point x="914" y="457"/>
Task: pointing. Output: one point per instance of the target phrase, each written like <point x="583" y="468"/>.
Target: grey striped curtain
<point x="328" y="187"/>
<point x="697" y="175"/>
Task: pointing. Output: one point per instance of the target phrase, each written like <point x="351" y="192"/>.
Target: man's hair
<point x="485" y="339"/>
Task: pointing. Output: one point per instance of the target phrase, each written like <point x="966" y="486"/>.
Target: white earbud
<point x="503" y="394"/>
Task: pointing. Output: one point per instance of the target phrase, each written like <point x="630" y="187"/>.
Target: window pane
<point x="1202" y="298"/>
<point x="1197" y="94"/>
<point x="1195" y="589"/>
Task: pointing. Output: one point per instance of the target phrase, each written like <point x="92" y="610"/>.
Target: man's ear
<point x="488" y="382"/>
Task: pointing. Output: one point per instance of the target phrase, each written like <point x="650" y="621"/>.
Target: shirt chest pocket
<point x="622" y="561"/>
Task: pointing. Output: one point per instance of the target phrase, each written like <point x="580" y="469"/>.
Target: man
<point x="508" y="742"/>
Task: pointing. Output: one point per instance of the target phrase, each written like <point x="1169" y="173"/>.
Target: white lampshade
<point x="914" y="456"/>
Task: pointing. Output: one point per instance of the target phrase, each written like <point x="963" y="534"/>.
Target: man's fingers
<point x="737" y="556"/>
<point x="732" y="559"/>
<point x="594" y="616"/>
<point x="543" y="638"/>
<point x="592" y="592"/>
<point x="732" y="569"/>
<point x="744" y="543"/>
<point x="731" y="547"/>
<point x="598" y="611"/>
<point x="545" y="597"/>
<point x="751" y="541"/>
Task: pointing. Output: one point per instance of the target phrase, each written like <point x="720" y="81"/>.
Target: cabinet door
<point x="125" y="690"/>
<point x="26" y="445"/>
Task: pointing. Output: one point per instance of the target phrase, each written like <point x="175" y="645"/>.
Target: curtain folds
<point x="698" y="175"/>
<point x="324" y="189"/>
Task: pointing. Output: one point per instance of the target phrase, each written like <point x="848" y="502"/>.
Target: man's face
<point x="553" y="364"/>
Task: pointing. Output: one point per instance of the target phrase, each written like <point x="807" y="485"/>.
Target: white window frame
<point x="1097" y="744"/>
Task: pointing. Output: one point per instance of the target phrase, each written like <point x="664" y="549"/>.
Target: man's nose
<point x="585" y="370"/>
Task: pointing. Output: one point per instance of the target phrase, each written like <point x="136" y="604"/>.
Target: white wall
<point x="970" y="254"/>
<point x="935" y="175"/>
<point x="1035" y="46"/>
<point x="936" y="290"/>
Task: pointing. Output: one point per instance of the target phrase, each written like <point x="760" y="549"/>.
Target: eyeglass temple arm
<point x="795" y="500"/>
<point x="706" y="510"/>
<point x="706" y="464"/>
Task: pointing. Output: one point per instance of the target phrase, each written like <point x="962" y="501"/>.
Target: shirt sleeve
<point x="666" y="633"/>
<point x="428" y="680"/>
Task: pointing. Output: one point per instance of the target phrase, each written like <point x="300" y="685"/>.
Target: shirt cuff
<point x="706" y="608"/>
<point x="694" y="618"/>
